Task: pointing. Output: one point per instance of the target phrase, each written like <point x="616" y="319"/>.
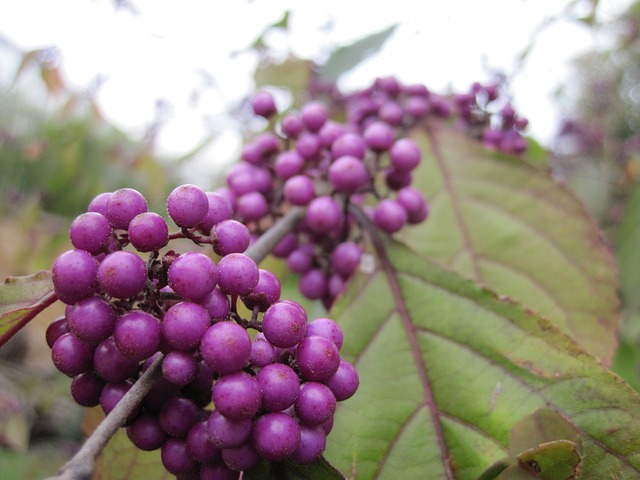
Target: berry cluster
<point x="225" y="400"/>
<point x="484" y="114"/>
<point x="307" y="159"/>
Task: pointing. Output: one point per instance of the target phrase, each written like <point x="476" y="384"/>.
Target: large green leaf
<point x="508" y="225"/>
<point x="628" y="250"/>
<point x="21" y="299"/>
<point x="448" y="368"/>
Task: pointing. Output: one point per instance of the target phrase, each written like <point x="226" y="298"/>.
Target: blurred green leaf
<point x="509" y="225"/>
<point x="628" y="250"/>
<point x="447" y="370"/>
<point x="21" y="299"/>
<point x="347" y="57"/>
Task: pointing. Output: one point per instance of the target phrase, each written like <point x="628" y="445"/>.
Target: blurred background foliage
<point x="58" y="152"/>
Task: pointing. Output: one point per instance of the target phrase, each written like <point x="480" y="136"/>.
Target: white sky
<point x="159" y="52"/>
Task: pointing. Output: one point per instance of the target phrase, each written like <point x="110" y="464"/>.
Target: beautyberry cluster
<point x="485" y="115"/>
<point x="225" y="400"/>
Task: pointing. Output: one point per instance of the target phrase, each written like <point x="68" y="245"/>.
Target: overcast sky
<point x="162" y="48"/>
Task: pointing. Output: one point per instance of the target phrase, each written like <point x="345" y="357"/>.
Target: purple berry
<point x="313" y="284"/>
<point x="217" y="304"/>
<point x="314" y="115"/>
<point x="252" y="206"/>
<point x="301" y="259"/>
<point x="237" y="274"/>
<point x="91" y="319"/>
<point x="176" y="458"/>
<point x="241" y="458"/>
<point x="111" y="395"/>
<point x="193" y="276"/>
<point x="237" y="395"/>
<point x="56" y="329"/>
<point x="414" y="203"/>
<point x="145" y="432"/>
<point x="264" y="104"/>
<point x="284" y="324"/>
<point x="288" y="164"/>
<point x="71" y="355"/>
<point x="396" y="179"/>
<point x="225" y="347"/>
<point x="199" y="444"/>
<point x="324" y="215"/>
<point x="315" y="404"/>
<point x="348" y="174"/>
<point x="308" y="145"/>
<point x="184" y="325"/>
<point x="344" y="382"/>
<point x="350" y="144"/>
<point x="187" y="205"/>
<point x="90" y="231"/>
<point x="137" y="335"/>
<point x="230" y="236"/>
<point x="227" y="433"/>
<point x="276" y="436"/>
<point x="405" y="155"/>
<point x="266" y="292"/>
<point x="299" y="190"/>
<point x="148" y="232"/>
<point x="123" y="205"/>
<point x="345" y="258"/>
<point x="390" y="216"/>
<point x="74" y="276"/>
<point x="279" y="385"/>
<point x="180" y="368"/>
<point x="111" y="364"/>
<point x="177" y="416"/>
<point x="262" y="353"/>
<point x="292" y="125"/>
<point x="99" y="203"/>
<point x="318" y="358"/>
<point x="378" y="136"/>
<point x="325" y="327"/>
<point x="220" y="209"/>
<point x="313" y="441"/>
<point x="122" y="274"/>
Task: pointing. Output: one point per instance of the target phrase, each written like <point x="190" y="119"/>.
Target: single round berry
<point x="292" y="125"/>
<point x="262" y="352"/>
<point x="220" y="208"/>
<point x="299" y="189"/>
<point x="176" y="458"/>
<point x="56" y="329"/>
<point x="288" y="164"/>
<point x="330" y="132"/>
<point x="122" y="274"/>
<point x="276" y="436"/>
<point x="138" y="334"/>
<point x="237" y="395"/>
<point x="227" y="433"/>
<point x="90" y="231"/>
<point x="348" y="174"/>
<point x="378" y="136"/>
<point x="345" y="258"/>
<point x="230" y="236"/>
<point x="313" y="441"/>
<point x="199" y="444"/>
<point x="264" y="104"/>
<point x="390" y="216"/>
<point x="344" y="382"/>
<point x="123" y="205"/>
<point x="192" y="275"/>
<point x="184" y="325"/>
<point x="180" y="368"/>
<point x="92" y="319"/>
<point x="392" y="113"/>
<point x="177" y="416"/>
<point x="99" y="203"/>
<point x="111" y="395"/>
<point x="145" y="432"/>
<point x="266" y="292"/>
<point x="252" y="206"/>
<point x="71" y="355"/>
<point x="301" y="259"/>
<point x="325" y="327"/>
<point x="86" y="389"/>
<point x="241" y="458"/>
<point x="225" y="347"/>
<point x="324" y="214"/>
<point x="187" y="205"/>
<point x="279" y="385"/>
<point x="308" y="145"/>
<point x="395" y="179"/>
<point x="314" y="115"/>
<point x="111" y="364"/>
<point x="316" y="403"/>
<point x="318" y="358"/>
<point x="405" y="155"/>
<point x="414" y="203"/>
<point x="217" y="304"/>
<point x="237" y="274"/>
<point x="74" y="276"/>
<point x="284" y="324"/>
<point x="148" y="232"/>
<point x="313" y="284"/>
<point x="350" y="144"/>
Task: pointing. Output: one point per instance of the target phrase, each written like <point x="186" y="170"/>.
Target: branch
<point x="82" y="465"/>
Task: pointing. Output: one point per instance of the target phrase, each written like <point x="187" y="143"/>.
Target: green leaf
<point x="347" y="57"/>
<point x="508" y="225"/>
<point x="21" y="299"/>
<point x="448" y="368"/>
<point x="319" y="470"/>
<point x="627" y="251"/>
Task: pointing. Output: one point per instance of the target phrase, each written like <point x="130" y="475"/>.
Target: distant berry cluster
<point x="225" y="400"/>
